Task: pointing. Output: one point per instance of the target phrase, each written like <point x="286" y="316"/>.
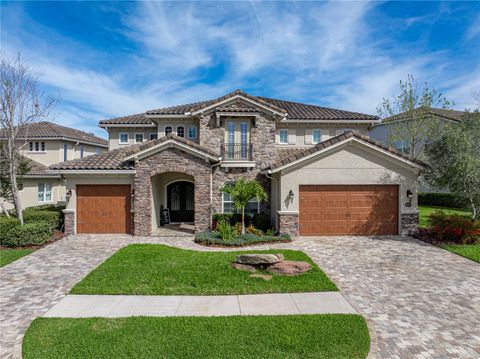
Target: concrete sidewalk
<point x="111" y="306"/>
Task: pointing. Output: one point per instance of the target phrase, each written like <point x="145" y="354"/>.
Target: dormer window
<point x="283" y="137"/>
<point x="123" y="138"/>
<point x="316" y="136"/>
<point x="138" y="137"/>
<point x="181" y="131"/>
<point x="192" y="132"/>
<point x="168" y="129"/>
<point x="36" y="146"/>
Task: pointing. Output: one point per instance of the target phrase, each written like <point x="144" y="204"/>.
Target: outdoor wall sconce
<point x="290" y="196"/>
<point x="68" y="195"/>
<point x="409" y="196"/>
<point x="133" y="192"/>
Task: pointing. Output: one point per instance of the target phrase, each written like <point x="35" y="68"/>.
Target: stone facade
<point x="408" y="223"/>
<point x="170" y="160"/>
<point x="288" y="224"/>
<point x="69" y="222"/>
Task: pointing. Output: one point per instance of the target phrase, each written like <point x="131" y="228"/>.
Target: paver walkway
<point x="422" y="301"/>
<point x="115" y="306"/>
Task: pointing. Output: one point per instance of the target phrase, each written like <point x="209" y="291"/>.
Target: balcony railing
<point x="237" y="152"/>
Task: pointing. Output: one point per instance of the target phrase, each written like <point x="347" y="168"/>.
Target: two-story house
<point x="323" y="174"/>
<point x="44" y="144"/>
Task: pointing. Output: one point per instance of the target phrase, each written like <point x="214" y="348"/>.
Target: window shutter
<point x="308" y="136"/>
<point x="292" y="136"/>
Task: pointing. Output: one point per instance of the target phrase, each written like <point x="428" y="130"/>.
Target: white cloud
<point x="474" y="30"/>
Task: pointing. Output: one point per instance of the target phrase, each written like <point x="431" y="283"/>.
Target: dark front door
<point x="180" y="201"/>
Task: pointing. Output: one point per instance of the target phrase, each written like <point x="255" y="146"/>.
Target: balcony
<point x="237" y="155"/>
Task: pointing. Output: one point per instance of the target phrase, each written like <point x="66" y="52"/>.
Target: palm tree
<point x="242" y="192"/>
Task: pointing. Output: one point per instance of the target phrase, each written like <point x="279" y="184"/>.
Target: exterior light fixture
<point x="409" y="196"/>
<point x="68" y="195"/>
<point x="290" y="196"/>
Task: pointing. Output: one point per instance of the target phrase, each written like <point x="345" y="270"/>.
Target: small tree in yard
<point x="412" y="132"/>
<point x="5" y="184"/>
<point x="242" y="192"/>
<point x="21" y="104"/>
<point x="454" y="159"/>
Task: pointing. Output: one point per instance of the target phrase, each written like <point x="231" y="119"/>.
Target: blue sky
<point x="107" y="59"/>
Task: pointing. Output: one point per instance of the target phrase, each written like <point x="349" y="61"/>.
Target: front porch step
<point x="175" y="230"/>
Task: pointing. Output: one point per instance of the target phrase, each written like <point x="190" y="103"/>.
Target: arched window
<point x="168" y="129"/>
<point x="181" y="131"/>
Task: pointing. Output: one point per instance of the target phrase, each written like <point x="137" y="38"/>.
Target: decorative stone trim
<point x="408" y="223"/>
<point x="69" y="222"/>
<point x="288" y="223"/>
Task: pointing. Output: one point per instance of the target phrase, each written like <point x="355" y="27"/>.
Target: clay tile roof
<point x="46" y="130"/>
<point x="293" y="110"/>
<point x="454" y="115"/>
<point x="284" y="157"/>
<point x="38" y="169"/>
<point x="115" y="159"/>
<point x="237" y="107"/>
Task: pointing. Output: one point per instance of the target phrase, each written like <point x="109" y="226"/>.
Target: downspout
<point x="211" y="189"/>
<point x="269" y="176"/>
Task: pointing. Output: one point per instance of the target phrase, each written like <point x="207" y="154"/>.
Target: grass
<point x="153" y="269"/>
<point x="10" y="255"/>
<point x="425" y="211"/>
<point x="241" y="337"/>
<point x="470" y="251"/>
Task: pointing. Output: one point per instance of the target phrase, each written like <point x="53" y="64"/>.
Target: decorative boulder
<point x="244" y="267"/>
<point x="290" y="268"/>
<point x="259" y="259"/>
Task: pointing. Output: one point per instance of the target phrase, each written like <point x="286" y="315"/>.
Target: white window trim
<point x="196" y="132"/>
<point x="165" y="128"/>
<point x="280" y="136"/>
<point x="223" y="203"/>
<point x="313" y="137"/>
<point x="39" y="147"/>
<point x="176" y="131"/>
<point x="45" y="193"/>
<point x="120" y="138"/>
<point x="135" y="137"/>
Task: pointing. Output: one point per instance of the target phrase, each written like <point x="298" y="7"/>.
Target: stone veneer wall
<point x="262" y="136"/>
<point x="170" y="160"/>
<point x="69" y="223"/>
<point x="408" y="223"/>
<point x="288" y="224"/>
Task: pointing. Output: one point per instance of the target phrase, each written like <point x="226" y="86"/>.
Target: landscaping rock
<point x="263" y="276"/>
<point x="290" y="268"/>
<point x="244" y="267"/>
<point x="259" y="259"/>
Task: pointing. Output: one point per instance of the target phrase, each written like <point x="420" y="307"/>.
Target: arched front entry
<point x="181" y="201"/>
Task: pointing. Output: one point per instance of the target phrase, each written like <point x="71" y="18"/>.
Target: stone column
<point x="408" y="223"/>
<point x="288" y="223"/>
<point x="69" y="221"/>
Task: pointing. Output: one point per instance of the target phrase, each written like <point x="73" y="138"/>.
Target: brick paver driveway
<point x="421" y="301"/>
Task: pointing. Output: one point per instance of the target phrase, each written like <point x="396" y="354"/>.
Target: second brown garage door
<point x="103" y="209"/>
<point x="348" y="210"/>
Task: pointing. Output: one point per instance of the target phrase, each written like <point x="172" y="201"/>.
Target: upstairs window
<point x="192" y="132"/>
<point x="168" y="129"/>
<point x="81" y="151"/>
<point x="36" y="146"/>
<point x="98" y="150"/>
<point x="65" y="151"/>
<point x="153" y="136"/>
<point x="138" y="137"/>
<point x="44" y="192"/>
<point x="316" y="136"/>
<point x="181" y="131"/>
<point x="283" y="137"/>
<point x="123" y="138"/>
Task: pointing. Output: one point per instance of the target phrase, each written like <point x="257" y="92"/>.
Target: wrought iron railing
<point x="237" y="152"/>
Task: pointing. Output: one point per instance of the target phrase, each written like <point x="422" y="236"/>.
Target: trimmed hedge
<point x="53" y="218"/>
<point x="439" y="200"/>
<point x="28" y="234"/>
<point x="6" y="224"/>
<point x="258" y="220"/>
<point x="213" y="238"/>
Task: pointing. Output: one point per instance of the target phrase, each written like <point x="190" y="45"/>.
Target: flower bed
<point x="209" y="238"/>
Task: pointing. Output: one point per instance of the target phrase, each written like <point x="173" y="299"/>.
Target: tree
<point x="414" y="123"/>
<point x="5" y="183"/>
<point x="242" y="192"/>
<point x="454" y="159"/>
<point x="21" y="103"/>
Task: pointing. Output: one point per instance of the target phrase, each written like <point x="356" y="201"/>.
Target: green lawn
<point x="425" y="211"/>
<point x="9" y="255"/>
<point x="241" y="337"/>
<point x="153" y="269"/>
<point x="470" y="251"/>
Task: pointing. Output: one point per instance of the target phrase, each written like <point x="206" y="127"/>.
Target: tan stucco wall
<point x="29" y="193"/>
<point x="348" y="165"/>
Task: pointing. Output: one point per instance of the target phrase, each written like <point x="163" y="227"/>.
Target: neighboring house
<point x="45" y="144"/>
<point x="322" y="178"/>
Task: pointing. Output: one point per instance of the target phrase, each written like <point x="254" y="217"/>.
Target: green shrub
<point x="28" y="234"/>
<point x="439" y="199"/>
<point x="258" y="220"/>
<point x="53" y="218"/>
<point x="6" y="224"/>
<point x="261" y="221"/>
<point x="453" y="228"/>
<point x="226" y="231"/>
<point x="214" y="238"/>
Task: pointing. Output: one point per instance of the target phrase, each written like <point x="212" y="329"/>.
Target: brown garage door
<point x="103" y="209"/>
<point x="348" y="210"/>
